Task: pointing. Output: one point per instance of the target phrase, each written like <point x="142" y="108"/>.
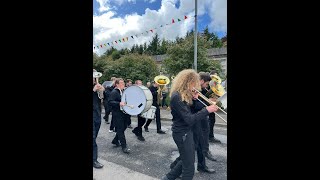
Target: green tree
<point x="163" y="48"/>
<point x="98" y="63"/>
<point x="132" y="66"/>
<point x="115" y="55"/>
<point x="181" y="56"/>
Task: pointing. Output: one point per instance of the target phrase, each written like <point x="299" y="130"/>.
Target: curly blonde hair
<point x="182" y="83"/>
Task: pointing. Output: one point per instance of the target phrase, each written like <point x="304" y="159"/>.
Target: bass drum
<point x="138" y="100"/>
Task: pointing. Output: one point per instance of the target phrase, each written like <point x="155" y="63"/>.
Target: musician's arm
<point x="185" y="113"/>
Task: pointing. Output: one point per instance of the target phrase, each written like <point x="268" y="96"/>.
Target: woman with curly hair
<point x="182" y="95"/>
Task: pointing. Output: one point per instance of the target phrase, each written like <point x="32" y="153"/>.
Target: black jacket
<point x="114" y="102"/>
<point x="154" y="95"/>
<point x="96" y="105"/>
<point x="183" y="118"/>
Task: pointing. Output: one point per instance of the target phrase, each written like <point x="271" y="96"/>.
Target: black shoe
<point x="210" y="157"/>
<point x="97" y="165"/>
<point x="130" y="127"/>
<point x="206" y="169"/>
<point x="116" y="143"/>
<point x="146" y="129"/>
<point x="135" y="131"/>
<point x="141" y="138"/>
<point x="160" y="131"/>
<point x="214" y="140"/>
<point x="126" y="150"/>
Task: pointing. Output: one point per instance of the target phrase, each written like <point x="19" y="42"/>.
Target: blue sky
<point x="113" y="18"/>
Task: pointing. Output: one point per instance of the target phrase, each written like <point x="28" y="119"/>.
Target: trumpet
<point x="210" y="102"/>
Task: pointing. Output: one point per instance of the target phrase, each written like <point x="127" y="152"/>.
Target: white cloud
<point x="108" y="27"/>
<point x="104" y="5"/>
<point x="218" y="14"/>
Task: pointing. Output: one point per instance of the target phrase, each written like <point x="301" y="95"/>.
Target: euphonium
<point x="161" y="80"/>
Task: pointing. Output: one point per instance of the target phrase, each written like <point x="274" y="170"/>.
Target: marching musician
<point x="182" y="96"/>
<point x="154" y="91"/>
<point x="212" y="120"/>
<point x="138" y="130"/>
<point x="118" y="116"/>
<point x="96" y="120"/>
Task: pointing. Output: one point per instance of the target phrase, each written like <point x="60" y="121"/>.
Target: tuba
<point x="97" y="75"/>
<point x="161" y="80"/>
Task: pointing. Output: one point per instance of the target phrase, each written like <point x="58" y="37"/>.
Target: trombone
<point x="210" y="102"/>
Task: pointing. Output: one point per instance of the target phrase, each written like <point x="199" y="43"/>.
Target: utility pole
<point x="195" y="36"/>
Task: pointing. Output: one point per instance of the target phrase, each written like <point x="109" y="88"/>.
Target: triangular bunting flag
<point x="161" y="26"/>
<point x="98" y="47"/>
<point x="101" y="45"/>
<point x="94" y="47"/>
<point x="172" y="20"/>
<point x="185" y="17"/>
<point x="116" y="42"/>
<point x="127" y="38"/>
<point x="105" y="45"/>
<point x="179" y="19"/>
<point x="119" y="40"/>
<point x="132" y="37"/>
<point x="151" y="30"/>
<point x="108" y="44"/>
<point x="123" y="39"/>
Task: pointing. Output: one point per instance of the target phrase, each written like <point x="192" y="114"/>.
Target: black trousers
<point x="200" y="141"/>
<point x="205" y="135"/>
<point x="185" y="162"/>
<point x="157" y="118"/>
<point x="212" y="121"/>
<point x="138" y="130"/>
<point x="121" y="126"/>
<point x="129" y="120"/>
<point x="96" y="127"/>
<point x="112" y="124"/>
<point x="106" y="110"/>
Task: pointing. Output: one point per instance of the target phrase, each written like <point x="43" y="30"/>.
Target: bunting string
<point x="150" y="31"/>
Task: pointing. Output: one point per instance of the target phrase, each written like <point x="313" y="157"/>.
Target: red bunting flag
<point x="185" y="17"/>
<point x="123" y="39"/>
<point x="151" y="30"/>
<point x="172" y="20"/>
<point x="116" y="42"/>
<point x="101" y="45"/>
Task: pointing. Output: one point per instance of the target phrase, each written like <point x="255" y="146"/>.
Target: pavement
<point x="151" y="159"/>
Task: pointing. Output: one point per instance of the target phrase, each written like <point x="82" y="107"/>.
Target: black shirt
<point x="183" y="119"/>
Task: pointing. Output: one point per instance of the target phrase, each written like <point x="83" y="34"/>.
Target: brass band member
<point x="96" y="120"/>
<point x="183" y="121"/>
<point x="138" y="130"/>
<point x="118" y="116"/>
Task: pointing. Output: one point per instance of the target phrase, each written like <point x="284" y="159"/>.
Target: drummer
<point x="138" y="130"/>
<point x="118" y="116"/>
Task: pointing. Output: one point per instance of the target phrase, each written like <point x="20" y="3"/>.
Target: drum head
<point x="135" y="98"/>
